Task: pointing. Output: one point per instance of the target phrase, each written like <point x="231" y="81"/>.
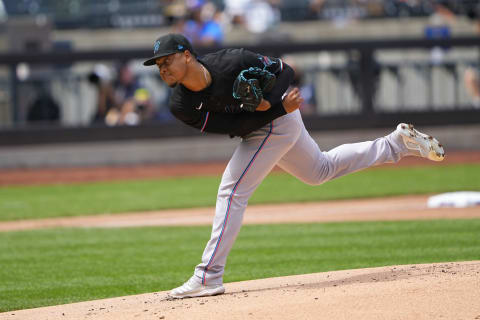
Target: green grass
<point x="126" y="196"/>
<point x="56" y="266"/>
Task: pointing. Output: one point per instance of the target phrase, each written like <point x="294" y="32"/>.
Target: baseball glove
<point x="250" y="85"/>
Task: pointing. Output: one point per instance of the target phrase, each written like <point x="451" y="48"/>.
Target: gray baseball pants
<point x="284" y="142"/>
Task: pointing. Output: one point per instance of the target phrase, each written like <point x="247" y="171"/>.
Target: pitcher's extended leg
<point x="307" y="162"/>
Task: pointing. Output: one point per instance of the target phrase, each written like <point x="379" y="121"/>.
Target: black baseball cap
<point x="169" y="44"/>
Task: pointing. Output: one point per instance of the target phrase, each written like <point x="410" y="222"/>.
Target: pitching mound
<point x="427" y="291"/>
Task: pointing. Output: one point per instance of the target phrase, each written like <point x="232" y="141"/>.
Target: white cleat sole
<point x="201" y="292"/>
<point x="426" y="145"/>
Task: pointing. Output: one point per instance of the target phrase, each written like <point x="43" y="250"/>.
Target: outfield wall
<point x="196" y="149"/>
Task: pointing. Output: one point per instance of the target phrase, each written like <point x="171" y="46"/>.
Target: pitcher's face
<point x="173" y="68"/>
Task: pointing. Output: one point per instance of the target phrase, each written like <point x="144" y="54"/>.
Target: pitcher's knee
<point x="316" y="180"/>
<point x="322" y="173"/>
<point x="313" y="181"/>
<point x="318" y="177"/>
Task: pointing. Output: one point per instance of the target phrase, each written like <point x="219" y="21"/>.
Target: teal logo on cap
<point x="180" y="47"/>
<point x="156" y="46"/>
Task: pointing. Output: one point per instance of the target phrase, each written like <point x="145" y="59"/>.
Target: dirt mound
<point x="428" y="291"/>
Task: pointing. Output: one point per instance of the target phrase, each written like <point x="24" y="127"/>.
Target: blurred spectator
<point x="257" y="16"/>
<point x="356" y="76"/>
<point x="407" y="8"/>
<point x="473" y="13"/>
<point x="315" y="8"/>
<point x="137" y="109"/>
<point x="471" y="76"/>
<point x="236" y="10"/>
<point x="123" y="101"/>
<point x="439" y="27"/>
<point x="133" y="101"/>
<point x="44" y="109"/>
<point x="101" y="78"/>
<point x="174" y="10"/>
<point x="202" y="26"/>
<point x="472" y="84"/>
<point x="261" y="16"/>
<point x="125" y="84"/>
<point x="441" y="20"/>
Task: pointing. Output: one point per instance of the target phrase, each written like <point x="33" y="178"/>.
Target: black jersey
<point x="214" y="109"/>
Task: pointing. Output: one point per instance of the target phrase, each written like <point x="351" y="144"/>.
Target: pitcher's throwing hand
<point x="292" y="101"/>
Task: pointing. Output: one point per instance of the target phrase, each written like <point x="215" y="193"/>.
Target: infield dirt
<point x="379" y="209"/>
<point x="428" y="291"/>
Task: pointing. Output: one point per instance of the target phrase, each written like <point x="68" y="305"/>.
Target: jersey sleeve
<point x="251" y="59"/>
<point x="282" y="83"/>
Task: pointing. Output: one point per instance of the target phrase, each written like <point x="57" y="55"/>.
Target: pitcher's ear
<point x="188" y="56"/>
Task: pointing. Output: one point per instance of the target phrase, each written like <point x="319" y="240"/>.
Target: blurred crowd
<point x="257" y="15"/>
<point x="205" y="21"/>
<point x="123" y="99"/>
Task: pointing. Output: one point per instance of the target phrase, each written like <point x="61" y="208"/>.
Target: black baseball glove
<point x="250" y="85"/>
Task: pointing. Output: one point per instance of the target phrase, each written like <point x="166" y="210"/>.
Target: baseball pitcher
<point x="244" y="94"/>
